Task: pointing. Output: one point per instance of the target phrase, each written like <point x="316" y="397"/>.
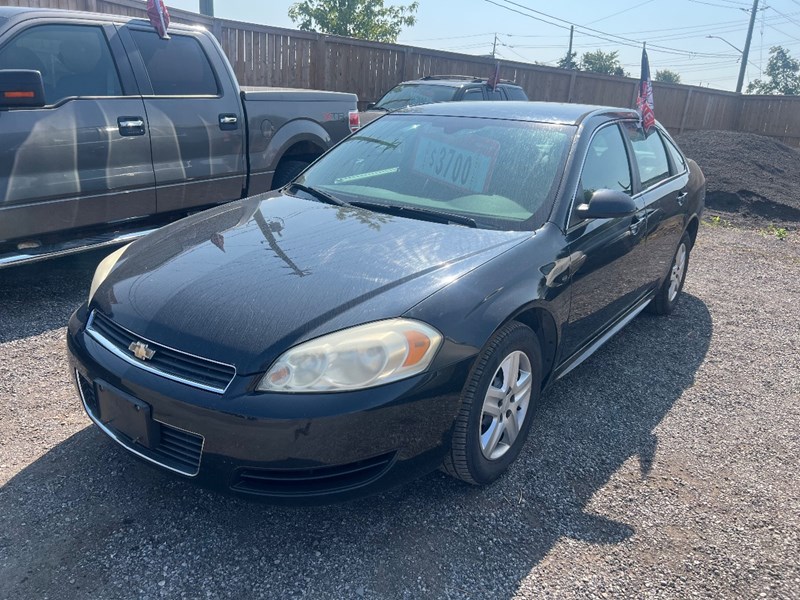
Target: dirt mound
<point x="748" y="175"/>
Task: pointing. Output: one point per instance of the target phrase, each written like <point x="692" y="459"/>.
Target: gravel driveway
<point x="666" y="466"/>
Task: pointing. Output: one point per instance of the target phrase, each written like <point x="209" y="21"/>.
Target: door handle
<point x="681" y="199"/>
<point x="228" y="122"/>
<point x="636" y="226"/>
<point x="131" y="126"/>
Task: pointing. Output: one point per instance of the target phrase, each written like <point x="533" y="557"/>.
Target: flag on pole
<point x="159" y="17"/>
<point x="644" y="103"/>
<point x="494" y="79"/>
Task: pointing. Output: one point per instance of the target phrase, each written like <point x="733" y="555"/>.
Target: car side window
<point x="177" y="66"/>
<point x="650" y="154"/>
<point x="677" y="157"/>
<point x="473" y="94"/>
<point x="497" y="94"/>
<point x="515" y="93"/>
<point x="74" y="60"/>
<point x="606" y="165"/>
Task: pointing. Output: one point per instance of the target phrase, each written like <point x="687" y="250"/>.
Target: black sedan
<point x="401" y="306"/>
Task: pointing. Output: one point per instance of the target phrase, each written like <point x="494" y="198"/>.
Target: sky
<point x="675" y="30"/>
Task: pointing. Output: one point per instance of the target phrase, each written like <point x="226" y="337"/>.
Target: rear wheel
<point x="286" y="171"/>
<point x="670" y="291"/>
<point x="496" y="406"/>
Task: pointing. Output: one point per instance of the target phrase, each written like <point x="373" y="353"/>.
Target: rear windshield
<point x="503" y="174"/>
<point x="412" y="94"/>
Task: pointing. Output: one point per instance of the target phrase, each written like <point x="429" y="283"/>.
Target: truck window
<point x="177" y="66"/>
<point x="74" y="60"/>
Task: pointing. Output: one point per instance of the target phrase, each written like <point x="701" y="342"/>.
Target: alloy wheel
<point x="676" y="275"/>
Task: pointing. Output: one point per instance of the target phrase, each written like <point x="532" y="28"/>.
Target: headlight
<point x="356" y="358"/>
<point x="103" y="269"/>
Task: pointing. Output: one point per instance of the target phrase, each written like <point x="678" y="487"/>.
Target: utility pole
<point x="207" y="7"/>
<point x="746" y="53"/>
<point x="571" y="35"/>
<point x="494" y="47"/>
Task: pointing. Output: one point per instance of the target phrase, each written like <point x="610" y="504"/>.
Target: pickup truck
<point x="108" y="131"/>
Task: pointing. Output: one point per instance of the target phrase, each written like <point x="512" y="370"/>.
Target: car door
<point x="663" y="194"/>
<point x="84" y="158"/>
<point x="607" y="255"/>
<point x="195" y="118"/>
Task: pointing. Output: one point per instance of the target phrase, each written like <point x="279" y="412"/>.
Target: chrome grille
<point x="173" y="364"/>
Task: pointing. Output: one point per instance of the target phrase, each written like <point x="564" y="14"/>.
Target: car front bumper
<point x="286" y="448"/>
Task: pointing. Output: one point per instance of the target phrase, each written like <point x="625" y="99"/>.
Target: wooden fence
<point x="271" y="56"/>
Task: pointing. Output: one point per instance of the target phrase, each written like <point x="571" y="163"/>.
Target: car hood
<point x="243" y="282"/>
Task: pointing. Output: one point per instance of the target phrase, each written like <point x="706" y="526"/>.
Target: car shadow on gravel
<point x="87" y="520"/>
<point x="40" y="297"/>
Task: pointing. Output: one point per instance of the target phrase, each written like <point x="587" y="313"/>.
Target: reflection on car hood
<point x="243" y="282"/>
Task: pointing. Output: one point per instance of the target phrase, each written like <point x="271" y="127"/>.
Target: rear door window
<point x="677" y="157"/>
<point x="74" y="60"/>
<point x="515" y="93"/>
<point x="473" y="94"/>
<point x="177" y="66"/>
<point x="497" y="94"/>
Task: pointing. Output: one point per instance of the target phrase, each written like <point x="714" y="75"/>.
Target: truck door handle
<point x="228" y="122"/>
<point x="681" y="199"/>
<point x="131" y="126"/>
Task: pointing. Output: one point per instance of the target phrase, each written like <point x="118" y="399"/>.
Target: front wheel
<point x="496" y="406"/>
<point x="670" y="291"/>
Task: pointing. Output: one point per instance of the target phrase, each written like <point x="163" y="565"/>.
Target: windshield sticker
<point x="461" y="163"/>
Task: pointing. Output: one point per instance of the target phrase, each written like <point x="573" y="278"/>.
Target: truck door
<point x="84" y="158"/>
<point x="195" y="117"/>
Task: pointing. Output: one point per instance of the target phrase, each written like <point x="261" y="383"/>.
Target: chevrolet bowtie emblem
<point x="141" y="351"/>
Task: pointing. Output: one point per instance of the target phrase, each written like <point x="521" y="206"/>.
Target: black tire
<point x="666" y="299"/>
<point x="286" y="171"/>
<point x="467" y="460"/>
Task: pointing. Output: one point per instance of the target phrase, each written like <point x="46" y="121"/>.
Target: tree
<point x="783" y="74"/>
<point x="568" y="61"/>
<point x="606" y="63"/>
<point x="364" y="19"/>
<point x="667" y="76"/>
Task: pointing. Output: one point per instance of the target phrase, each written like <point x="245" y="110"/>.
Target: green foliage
<point x="568" y="61"/>
<point x="667" y="76"/>
<point x="606" y="63"/>
<point x="364" y="19"/>
<point x="717" y="221"/>
<point x="783" y="75"/>
<point x="779" y="232"/>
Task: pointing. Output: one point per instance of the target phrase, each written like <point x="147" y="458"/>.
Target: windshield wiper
<point x="318" y="194"/>
<point x="415" y="211"/>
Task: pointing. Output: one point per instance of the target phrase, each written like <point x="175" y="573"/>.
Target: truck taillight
<point x="355" y="120"/>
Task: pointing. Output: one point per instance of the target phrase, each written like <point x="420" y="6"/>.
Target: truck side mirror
<point x="371" y="105"/>
<point x="19" y="88"/>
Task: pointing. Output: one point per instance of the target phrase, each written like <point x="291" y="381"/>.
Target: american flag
<point x="159" y="17"/>
<point x="644" y="103"/>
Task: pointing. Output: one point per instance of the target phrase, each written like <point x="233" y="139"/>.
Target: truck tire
<point x="286" y="171"/>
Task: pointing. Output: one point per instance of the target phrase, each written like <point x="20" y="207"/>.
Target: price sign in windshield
<point x="468" y="168"/>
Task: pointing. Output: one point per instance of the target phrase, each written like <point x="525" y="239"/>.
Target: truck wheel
<point x="286" y="171"/>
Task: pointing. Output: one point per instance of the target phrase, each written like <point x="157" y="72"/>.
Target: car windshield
<point x="502" y="174"/>
<point x="412" y="94"/>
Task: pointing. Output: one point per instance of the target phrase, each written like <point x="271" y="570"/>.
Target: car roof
<point x="543" y="112"/>
<point x="455" y="82"/>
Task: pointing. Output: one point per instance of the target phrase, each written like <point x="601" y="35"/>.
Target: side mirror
<point x="20" y="88"/>
<point x="606" y="204"/>
<point x="371" y="105"/>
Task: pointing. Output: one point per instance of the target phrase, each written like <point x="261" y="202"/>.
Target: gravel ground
<point x="666" y="466"/>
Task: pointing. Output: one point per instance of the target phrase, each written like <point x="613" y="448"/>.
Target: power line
<point x="595" y="32"/>
<point x="630" y="8"/>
